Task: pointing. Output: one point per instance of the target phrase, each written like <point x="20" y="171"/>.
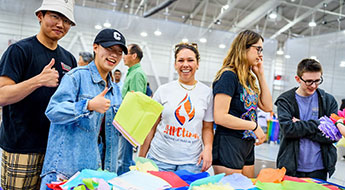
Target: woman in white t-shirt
<point x="182" y="137"/>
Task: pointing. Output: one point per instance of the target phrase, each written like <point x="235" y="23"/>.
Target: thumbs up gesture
<point x="49" y="77"/>
<point x="99" y="103"/>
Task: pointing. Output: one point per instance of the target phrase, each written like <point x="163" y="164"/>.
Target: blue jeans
<point x="162" y="166"/>
<point x="125" y="156"/>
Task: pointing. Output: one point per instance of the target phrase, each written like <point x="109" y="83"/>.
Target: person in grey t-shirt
<point x="304" y="151"/>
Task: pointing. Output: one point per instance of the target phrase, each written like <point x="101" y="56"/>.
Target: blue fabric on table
<point x="189" y="177"/>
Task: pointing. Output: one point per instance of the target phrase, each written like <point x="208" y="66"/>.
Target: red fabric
<point x="174" y="180"/>
<point x="56" y="186"/>
<point x="296" y="179"/>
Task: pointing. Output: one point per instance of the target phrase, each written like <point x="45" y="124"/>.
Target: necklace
<point x="188" y="89"/>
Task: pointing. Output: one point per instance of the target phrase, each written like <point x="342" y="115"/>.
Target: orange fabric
<point x="335" y="117"/>
<point x="270" y="175"/>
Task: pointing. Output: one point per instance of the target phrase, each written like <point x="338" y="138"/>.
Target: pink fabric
<point x="174" y="180"/>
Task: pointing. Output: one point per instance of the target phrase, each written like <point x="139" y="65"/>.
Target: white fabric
<point x="176" y="141"/>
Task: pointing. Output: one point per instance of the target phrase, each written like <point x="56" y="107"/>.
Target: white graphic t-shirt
<point x="178" y="138"/>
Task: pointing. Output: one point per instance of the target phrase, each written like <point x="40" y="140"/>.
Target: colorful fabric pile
<point x="140" y="179"/>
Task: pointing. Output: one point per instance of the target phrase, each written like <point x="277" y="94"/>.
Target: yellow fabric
<point x="341" y="142"/>
<point x="136" y="116"/>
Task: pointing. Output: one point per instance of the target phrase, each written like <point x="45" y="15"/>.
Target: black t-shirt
<point x="243" y="104"/>
<point x="24" y="127"/>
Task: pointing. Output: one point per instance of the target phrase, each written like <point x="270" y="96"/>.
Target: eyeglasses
<point x="311" y="82"/>
<point x="259" y="49"/>
<point x="56" y="18"/>
<point x="195" y="45"/>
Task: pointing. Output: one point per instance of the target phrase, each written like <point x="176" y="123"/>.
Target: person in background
<point x="342" y="105"/>
<point x="30" y="72"/>
<point x="148" y="90"/>
<point x="117" y="76"/>
<point x="236" y="99"/>
<point x="262" y="119"/>
<point x="81" y="112"/>
<point x="182" y="137"/>
<point x="304" y="151"/>
<point x="84" y="58"/>
<point x="135" y="81"/>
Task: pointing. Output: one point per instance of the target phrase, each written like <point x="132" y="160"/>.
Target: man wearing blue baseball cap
<point x="81" y="112"/>
<point x="30" y="71"/>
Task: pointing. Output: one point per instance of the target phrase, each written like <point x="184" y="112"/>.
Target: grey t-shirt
<point x="309" y="158"/>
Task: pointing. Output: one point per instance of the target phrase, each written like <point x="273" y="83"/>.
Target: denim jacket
<point x="73" y="135"/>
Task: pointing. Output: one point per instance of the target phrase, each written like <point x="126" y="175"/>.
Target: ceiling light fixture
<point x="107" y="24"/>
<point x="313" y="57"/>
<point x="203" y="40"/>
<point x="342" y="64"/>
<point x="287" y="56"/>
<point x="221" y="46"/>
<point x="280" y="51"/>
<point x="157" y="32"/>
<point x="273" y="15"/>
<point x="312" y="23"/>
<point x="143" y="34"/>
<point x="98" y="27"/>
<point x="185" y="40"/>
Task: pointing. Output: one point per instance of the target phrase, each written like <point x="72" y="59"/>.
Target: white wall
<point x="18" y="21"/>
<point x="329" y="50"/>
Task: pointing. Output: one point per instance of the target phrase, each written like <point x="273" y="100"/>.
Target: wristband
<point x="255" y="126"/>
<point x="336" y="123"/>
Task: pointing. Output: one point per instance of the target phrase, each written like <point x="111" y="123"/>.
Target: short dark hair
<point x="43" y="12"/>
<point x="308" y="65"/>
<point x="136" y="49"/>
<point x="87" y="57"/>
<point x="117" y="70"/>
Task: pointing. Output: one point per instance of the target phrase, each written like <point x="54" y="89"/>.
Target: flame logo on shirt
<point x="185" y="110"/>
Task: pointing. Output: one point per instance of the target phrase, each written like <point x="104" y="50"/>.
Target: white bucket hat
<point x="65" y="7"/>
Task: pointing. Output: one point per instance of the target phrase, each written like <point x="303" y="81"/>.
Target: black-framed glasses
<point x="195" y="45"/>
<point x="259" y="49"/>
<point x="56" y="18"/>
<point x="311" y="82"/>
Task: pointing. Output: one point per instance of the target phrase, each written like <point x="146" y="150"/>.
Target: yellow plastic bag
<point x="136" y="116"/>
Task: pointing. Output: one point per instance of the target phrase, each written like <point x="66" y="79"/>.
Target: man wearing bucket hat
<point x="30" y="71"/>
<point x="81" y="112"/>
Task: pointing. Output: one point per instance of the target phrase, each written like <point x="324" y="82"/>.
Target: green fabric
<point x="144" y="160"/>
<point x="135" y="80"/>
<point x="82" y="187"/>
<point x="136" y="116"/>
<point x="289" y="185"/>
<point x="207" y="180"/>
<point x="292" y="185"/>
<point x="90" y="183"/>
<point x="268" y="186"/>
